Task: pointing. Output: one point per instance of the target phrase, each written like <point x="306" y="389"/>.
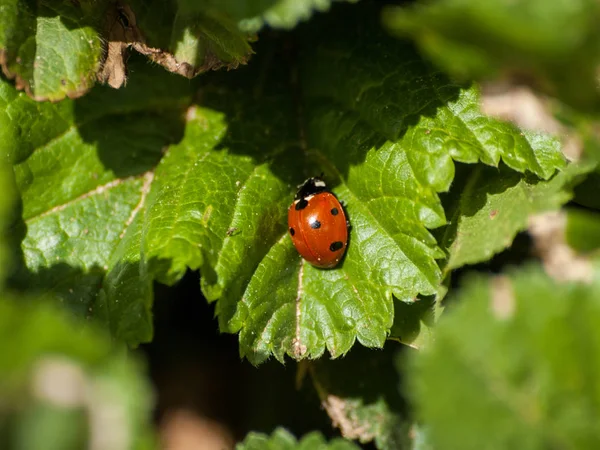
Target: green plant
<point x="446" y="128"/>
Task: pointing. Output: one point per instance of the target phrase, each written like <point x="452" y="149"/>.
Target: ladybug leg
<point x="344" y="206"/>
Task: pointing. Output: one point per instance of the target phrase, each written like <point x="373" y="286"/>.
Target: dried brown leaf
<point x="123" y="32"/>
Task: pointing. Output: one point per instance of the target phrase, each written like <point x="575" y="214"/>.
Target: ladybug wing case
<point x="317" y="226"/>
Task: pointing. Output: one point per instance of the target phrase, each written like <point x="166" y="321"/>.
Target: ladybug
<point x="317" y="224"/>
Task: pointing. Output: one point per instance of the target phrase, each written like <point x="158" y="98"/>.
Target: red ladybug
<point x="317" y="224"/>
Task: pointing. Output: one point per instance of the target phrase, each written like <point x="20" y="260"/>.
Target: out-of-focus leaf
<point x="285" y="13"/>
<point x="254" y="15"/>
<point x="519" y="353"/>
<point x="420" y="438"/>
<point x="63" y="386"/>
<point x="586" y="193"/>
<point x="281" y="439"/>
<point x="583" y="230"/>
<point x="360" y="394"/>
<point x="473" y="39"/>
<point x="8" y="199"/>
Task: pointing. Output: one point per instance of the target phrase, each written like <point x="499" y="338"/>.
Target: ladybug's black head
<point x="311" y="186"/>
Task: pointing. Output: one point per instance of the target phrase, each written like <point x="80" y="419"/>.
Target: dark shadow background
<point x="196" y="368"/>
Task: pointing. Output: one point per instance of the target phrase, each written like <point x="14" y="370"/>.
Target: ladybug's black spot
<point x="335" y="246"/>
<point x="292" y="231"/>
<point x="301" y="204"/>
<point x="315" y="224"/>
<point x="334" y="211"/>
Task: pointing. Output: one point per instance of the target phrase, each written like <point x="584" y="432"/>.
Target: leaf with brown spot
<point x="360" y="395"/>
<point x="490" y="206"/>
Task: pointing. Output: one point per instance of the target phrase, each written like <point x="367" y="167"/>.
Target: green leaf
<point x="490" y="206"/>
<point x="220" y="196"/>
<point x="286" y="13"/>
<point x="58" y="378"/>
<point x="286" y="305"/>
<point x="127" y="171"/>
<point x="208" y="37"/>
<point x="421" y="438"/>
<point x="473" y="39"/>
<point x="194" y="199"/>
<point x="124" y="301"/>
<point x="582" y="141"/>
<point x="519" y="354"/>
<point x="8" y="200"/>
<point x="83" y="181"/>
<point x="254" y="15"/>
<point x="189" y="38"/>
<point x="52" y="49"/>
<point x="580" y="130"/>
<point x="58" y="50"/>
<point x="583" y="230"/>
<point x="281" y="439"/>
<point x="27" y="125"/>
<point x="379" y="142"/>
<point x="413" y="321"/>
<point x="586" y="192"/>
<point x="381" y="139"/>
<point x="360" y="394"/>
<point x="433" y="133"/>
